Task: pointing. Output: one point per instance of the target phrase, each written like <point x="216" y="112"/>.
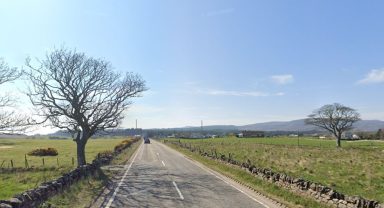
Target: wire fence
<point x="37" y="162"/>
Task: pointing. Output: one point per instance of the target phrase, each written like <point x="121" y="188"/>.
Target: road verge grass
<point x="81" y="194"/>
<point x="273" y="191"/>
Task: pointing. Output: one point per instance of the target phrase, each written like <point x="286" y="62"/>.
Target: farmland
<point x="355" y="169"/>
<point x="20" y="179"/>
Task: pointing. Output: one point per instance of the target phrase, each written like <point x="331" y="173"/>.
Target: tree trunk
<point x="81" y="152"/>
<point x="338" y="140"/>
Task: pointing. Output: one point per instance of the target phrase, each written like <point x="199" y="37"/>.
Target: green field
<point x="12" y="182"/>
<point x="355" y="169"/>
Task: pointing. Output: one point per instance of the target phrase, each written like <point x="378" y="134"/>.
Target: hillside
<point x="275" y="126"/>
<point x="299" y="125"/>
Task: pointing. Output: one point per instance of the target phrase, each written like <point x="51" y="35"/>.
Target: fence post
<point x="26" y="161"/>
<point x="43" y="162"/>
<point x="11" y="163"/>
<point x="57" y="160"/>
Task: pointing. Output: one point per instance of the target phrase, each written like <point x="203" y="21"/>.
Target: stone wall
<point x="317" y="191"/>
<point x="38" y="195"/>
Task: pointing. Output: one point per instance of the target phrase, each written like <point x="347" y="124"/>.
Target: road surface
<point x="158" y="176"/>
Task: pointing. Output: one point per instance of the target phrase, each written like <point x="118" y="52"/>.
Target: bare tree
<point x="80" y="94"/>
<point x="9" y="120"/>
<point x="335" y="118"/>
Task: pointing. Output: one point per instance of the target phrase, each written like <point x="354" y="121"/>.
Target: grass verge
<point x="81" y="194"/>
<point x="273" y="191"/>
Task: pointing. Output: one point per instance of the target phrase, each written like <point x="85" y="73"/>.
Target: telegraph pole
<point x="298" y="139"/>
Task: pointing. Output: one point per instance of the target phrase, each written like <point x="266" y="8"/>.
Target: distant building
<point x="251" y="134"/>
<point x="351" y="136"/>
<point x="239" y="135"/>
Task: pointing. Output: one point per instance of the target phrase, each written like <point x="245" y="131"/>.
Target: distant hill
<point x="275" y="126"/>
<point x="299" y="125"/>
<point x="12" y="136"/>
<point x="208" y="128"/>
<point x="295" y="125"/>
<point x="109" y="132"/>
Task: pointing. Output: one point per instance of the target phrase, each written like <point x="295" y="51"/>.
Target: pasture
<point x="18" y="179"/>
<point x="355" y="169"/>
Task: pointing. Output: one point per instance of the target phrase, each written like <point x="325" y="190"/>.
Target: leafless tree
<point x="335" y="118"/>
<point x="80" y="94"/>
<point x="9" y="120"/>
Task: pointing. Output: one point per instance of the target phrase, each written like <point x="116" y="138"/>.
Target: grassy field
<point x="355" y="169"/>
<point x="12" y="182"/>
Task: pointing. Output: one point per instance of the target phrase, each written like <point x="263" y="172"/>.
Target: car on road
<point x="146" y="140"/>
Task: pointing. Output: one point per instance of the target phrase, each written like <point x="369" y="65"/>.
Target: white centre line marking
<point x="163" y="163"/>
<point x="121" y="181"/>
<point x="178" y="190"/>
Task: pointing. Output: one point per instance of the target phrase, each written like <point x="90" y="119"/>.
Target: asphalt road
<point x="158" y="176"/>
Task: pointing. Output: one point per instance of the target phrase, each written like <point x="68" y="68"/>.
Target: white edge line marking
<point x="219" y="177"/>
<point x="121" y="181"/>
<point x="178" y="190"/>
<point x="163" y="163"/>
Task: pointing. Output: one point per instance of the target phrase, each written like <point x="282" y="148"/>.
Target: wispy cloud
<point x="219" y="12"/>
<point x="241" y="93"/>
<point x="282" y="79"/>
<point x="374" y="76"/>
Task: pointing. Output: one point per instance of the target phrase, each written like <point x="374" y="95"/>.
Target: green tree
<point x="380" y="134"/>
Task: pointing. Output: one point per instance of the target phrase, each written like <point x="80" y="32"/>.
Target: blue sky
<point x="224" y="62"/>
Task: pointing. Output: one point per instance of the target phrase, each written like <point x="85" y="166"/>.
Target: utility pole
<point x="298" y="139"/>
<point x="202" y="133"/>
<point x="136" y="123"/>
